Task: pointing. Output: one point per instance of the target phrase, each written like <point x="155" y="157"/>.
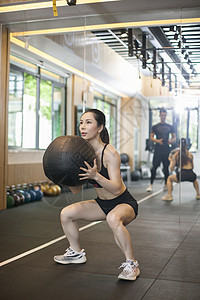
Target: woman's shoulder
<point x="111" y="152"/>
<point x="176" y="154"/>
<point x="189" y="154"/>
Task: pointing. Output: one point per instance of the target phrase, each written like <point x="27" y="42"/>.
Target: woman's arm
<point x="112" y="162"/>
<point x="173" y="161"/>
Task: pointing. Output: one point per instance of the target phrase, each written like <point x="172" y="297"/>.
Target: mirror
<point x="127" y="72"/>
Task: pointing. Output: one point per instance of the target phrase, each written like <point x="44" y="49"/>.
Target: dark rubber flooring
<point x="166" y="240"/>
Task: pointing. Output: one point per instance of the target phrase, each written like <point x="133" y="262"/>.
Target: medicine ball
<point x="135" y="175"/>
<point x="124" y="158"/>
<point x="64" y="157"/>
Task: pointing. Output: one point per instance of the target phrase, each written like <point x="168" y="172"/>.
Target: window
<point x="15" y="108"/>
<point x="36" y="108"/>
<point x="45" y="118"/>
<point x="57" y="112"/>
<point x="29" y="112"/>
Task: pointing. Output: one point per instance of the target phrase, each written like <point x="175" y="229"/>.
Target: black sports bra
<point x="103" y="172"/>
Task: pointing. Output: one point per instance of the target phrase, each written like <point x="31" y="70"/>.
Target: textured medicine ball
<point x="64" y="157"/>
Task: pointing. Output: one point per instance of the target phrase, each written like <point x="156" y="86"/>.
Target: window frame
<point x="56" y="84"/>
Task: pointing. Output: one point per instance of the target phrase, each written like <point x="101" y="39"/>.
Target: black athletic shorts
<point x="125" y="197"/>
<point x="187" y="175"/>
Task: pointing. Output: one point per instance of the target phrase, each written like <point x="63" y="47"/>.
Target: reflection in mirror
<point x="128" y="73"/>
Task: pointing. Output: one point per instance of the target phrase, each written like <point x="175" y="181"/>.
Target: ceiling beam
<point x="158" y="33"/>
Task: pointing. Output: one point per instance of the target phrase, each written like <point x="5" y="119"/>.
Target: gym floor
<point x="166" y="240"/>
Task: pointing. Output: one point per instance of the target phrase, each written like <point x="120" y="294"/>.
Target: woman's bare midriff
<point x="105" y="195"/>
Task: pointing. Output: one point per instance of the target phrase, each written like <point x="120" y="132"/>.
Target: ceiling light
<point x="71" y="2"/>
<point x="104" y="26"/>
<point x="46" y="4"/>
<point x="123" y="33"/>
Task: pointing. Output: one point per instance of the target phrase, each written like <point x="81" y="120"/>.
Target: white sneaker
<point x="130" y="271"/>
<point x="71" y="257"/>
<point x="150" y="188"/>
<point x="198" y="197"/>
<point x="167" y="198"/>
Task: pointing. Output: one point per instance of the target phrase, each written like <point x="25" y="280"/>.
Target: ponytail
<point x="104" y="136"/>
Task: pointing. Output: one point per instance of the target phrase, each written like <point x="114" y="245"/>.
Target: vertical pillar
<point x="144" y="55"/>
<point x="4" y="80"/>
<point x="170" y="79"/>
<point x="154" y="64"/>
<point x="163" y="72"/>
<point x="130" y="42"/>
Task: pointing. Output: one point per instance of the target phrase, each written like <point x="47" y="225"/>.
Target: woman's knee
<point x="113" y="220"/>
<point x="67" y="213"/>
<point x="171" y="178"/>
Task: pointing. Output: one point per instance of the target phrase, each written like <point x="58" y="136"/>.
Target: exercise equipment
<point x="64" y="157"/>
<point x="19" y="192"/>
<point x="58" y="189"/>
<point x="125" y="168"/>
<point x="10" y="199"/>
<point x="124" y="158"/>
<point x="135" y="175"/>
<point x="44" y="187"/>
<point x="38" y="191"/>
<point x="16" y="197"/>
<point x="23" y="189"/>
<point x="32" y="192"/>
<point x="50" y="189"/>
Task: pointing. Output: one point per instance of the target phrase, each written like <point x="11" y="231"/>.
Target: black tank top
<point x="103" y="172"/>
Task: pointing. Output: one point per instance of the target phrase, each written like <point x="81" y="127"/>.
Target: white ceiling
<point x="106" y="12"/>
<point x="99" y="13"/>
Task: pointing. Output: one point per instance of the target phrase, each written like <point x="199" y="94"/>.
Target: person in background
<point x="160" y="135"/>
<point x="183" y="159"/>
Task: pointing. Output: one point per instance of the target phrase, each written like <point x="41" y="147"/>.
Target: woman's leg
<point x="117" y="218"/>
<point x="196" y="186"/>
<point x="170" y="180"/>
<point x="84" y="210"/>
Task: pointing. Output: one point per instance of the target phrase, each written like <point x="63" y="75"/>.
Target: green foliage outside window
<point x="45" y="99"/>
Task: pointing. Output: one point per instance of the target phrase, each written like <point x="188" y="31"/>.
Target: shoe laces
<point x="129" y="267"/>
<point x="70" y="251"/>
